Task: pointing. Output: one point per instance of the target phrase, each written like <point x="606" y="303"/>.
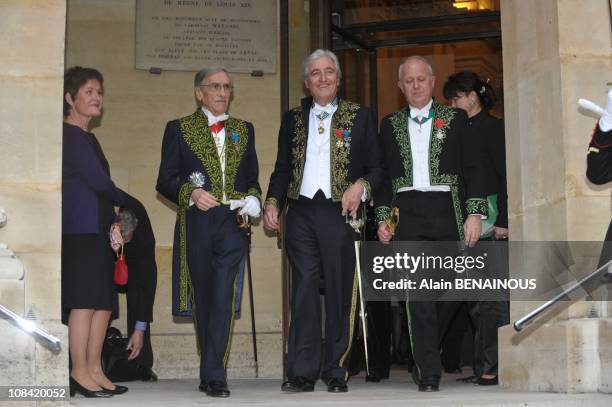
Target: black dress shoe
<point x="147" y="374"/>
<point x="429" y="384"/>
<point x="337" y="385"/>
<point x="75" y="388"/>
<point x="298" y="384"/>
<point x="469" y="379"/>
<point x="487" y="382"/>
<point x="214" y="388"/>
<point x="117" y="390"/>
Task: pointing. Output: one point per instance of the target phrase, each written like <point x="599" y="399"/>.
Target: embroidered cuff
<point x="367" y="189"/>
<point x="256" y="193"/>
<point x="382" y="213"/>
<point x="272" y="201"/>
<point x="477" y="206"/>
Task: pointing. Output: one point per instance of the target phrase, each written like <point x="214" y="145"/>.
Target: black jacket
<point x="142" y="268"/>
<point x="455" y="160"/>
<point x="355" y="152"/>
<point x="490" y="131"/>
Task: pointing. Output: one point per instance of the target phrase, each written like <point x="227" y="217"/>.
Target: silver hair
<point x="318" y="54"/>
<point x="203" y="73"/>
<point x="410" y="59"/>
<point x="127" y="221"/>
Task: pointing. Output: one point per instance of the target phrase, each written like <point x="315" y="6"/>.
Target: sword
<point x="357" y="224"/>
<point x="245" y="224"/>
<point x="519" y="324"/>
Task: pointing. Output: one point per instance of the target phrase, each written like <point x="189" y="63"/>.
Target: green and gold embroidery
<point x="199" y="139"/>
<point x="382" y="213"/>
<point x="444" y="115"/>
<point x="236" y="138"/>
<point x="399" y="121"/>
<point x="298" y="154"/>
<point x="340" y="139"/>
<point x="184" y="278"/>
<point x="272" y="201"/>
<point x="477" y="206"/>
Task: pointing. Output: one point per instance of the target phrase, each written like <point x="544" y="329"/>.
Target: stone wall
<point x="555" y="51"/>
<point x="100" y="33"/>
<point x="31" y="80"/>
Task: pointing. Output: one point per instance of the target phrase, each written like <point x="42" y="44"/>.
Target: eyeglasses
<point x="218" y="86"/>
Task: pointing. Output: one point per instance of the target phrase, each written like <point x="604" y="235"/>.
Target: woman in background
<point x="470" y="93"/>
<point x="88" y="197"/>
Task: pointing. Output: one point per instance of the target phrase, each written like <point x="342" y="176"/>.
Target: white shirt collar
<point x="212" y="119"/>
<point x="424" y="112"/>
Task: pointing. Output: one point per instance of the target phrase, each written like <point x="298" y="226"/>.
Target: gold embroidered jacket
<point x="188" y="147"/>
<point x="454" y="160"/>
<point x="354" y="152"/>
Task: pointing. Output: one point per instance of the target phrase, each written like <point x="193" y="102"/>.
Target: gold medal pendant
<point x="321" y="128"/>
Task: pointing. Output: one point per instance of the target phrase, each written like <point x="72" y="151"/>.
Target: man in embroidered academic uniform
<point x="599" y="165"/>
<point x="435" y="178"/>
<point x="328" y="163"/>
<point x="209" y="167"/>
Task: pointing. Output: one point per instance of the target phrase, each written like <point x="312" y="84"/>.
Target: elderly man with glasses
<point x="209" y="168"/>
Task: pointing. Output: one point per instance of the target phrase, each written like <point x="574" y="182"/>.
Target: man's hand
<point x="271" y="217"/>
<point x="251" y="207"/>
<point x="116" y="240"/>
<point x="384" y="233"/>
<point x="351" y="199"/>
<point x="204" y="200"/>
<point x="500" y="233"/>
<point x="471" y="229"/>
<point x="135" y="343"/>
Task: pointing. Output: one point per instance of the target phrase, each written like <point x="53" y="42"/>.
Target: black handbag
<point x="115" y="361"/>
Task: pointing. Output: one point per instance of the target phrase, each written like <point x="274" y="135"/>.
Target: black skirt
<point x="87" y="269"/>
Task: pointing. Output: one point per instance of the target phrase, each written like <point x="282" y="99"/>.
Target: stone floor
<point x="398" y="391"/>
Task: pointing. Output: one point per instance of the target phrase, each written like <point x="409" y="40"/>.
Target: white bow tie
<point x="215" y="119"/>
<point x="414" y="112"/>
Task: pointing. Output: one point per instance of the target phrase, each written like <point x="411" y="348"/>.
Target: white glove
<point x="251" y="207"/>
<point x="605" y="123"/>
<point x="236" y="203"/>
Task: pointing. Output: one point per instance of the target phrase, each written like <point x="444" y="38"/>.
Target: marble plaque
<point x="188" y="35"/>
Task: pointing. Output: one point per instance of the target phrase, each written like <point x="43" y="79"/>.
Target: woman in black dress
<point x="88" y="197"/>
<point x="470" y="93"/>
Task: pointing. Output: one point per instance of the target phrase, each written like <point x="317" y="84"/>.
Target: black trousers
<point x="320" y="245"/>
<point x="215" y="247"/>
<point x="426" y="216"/>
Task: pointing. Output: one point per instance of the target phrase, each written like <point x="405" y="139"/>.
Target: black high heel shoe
<point x="75" y="387"/>
<point x="117" y="390"/>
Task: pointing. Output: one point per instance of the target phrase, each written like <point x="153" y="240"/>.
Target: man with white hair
<point x="208" y="168"/>
<point x="328" y="164"/>
<point x="435" y="177"/>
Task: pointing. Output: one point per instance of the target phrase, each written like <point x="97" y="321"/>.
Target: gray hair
<point x="203" y="73"/>
<point x="410" y="59"/>
<point x="318" y="54"/>
<point x="128" y="221"/>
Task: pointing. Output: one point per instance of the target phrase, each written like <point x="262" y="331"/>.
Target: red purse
<point x="121" y="269"/>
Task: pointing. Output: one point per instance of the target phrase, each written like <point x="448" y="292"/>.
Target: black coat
<point x="455" y="160"/>
<point x="142" y="268"/>
<point x="599" y="171"/>
<point x="490" y="131"/>
<point x="352" y="124"/>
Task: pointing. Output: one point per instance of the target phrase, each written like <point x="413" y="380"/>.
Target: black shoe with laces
<point x="298" y="384"/>
<point x="214" y="388"/>
<point x="337" y="385"/>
